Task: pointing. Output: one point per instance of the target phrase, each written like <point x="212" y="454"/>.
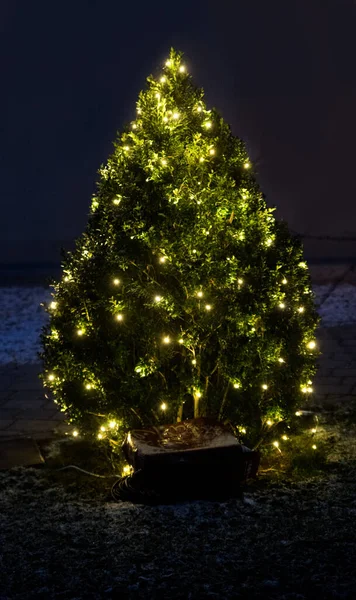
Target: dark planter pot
<point x="195" y="459"/>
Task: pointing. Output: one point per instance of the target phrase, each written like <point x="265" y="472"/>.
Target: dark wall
<point x="282" y="74"/>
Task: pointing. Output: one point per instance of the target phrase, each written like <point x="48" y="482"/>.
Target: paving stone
<point x="6" y="381"/>
<point x="341" y="390"/>
<point x="19" y="452"/>
<point x="351" y="372"/>
<point x="335" y="364"/>
<point x="27" y="384"/>
<point x="5" y="396"/>
<point x="46" y="414"/>
<point x="9" y="413"/>
<point x="331" y="380"/>
<point x="25" y="399"/>
<point x="5" y="423"/>
<point x="32" y="425"/>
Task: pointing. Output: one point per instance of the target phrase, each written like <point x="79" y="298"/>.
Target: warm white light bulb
<point x="164" y="162"/>
<point x="194" y="362"/>
<point x="158" y="298"/>
<point x="304" y="389"/>
<point x="314" y="447"/>
<point x="116" y="201"/>
<point x="313" y="430"/>
<point x="284" y="437"/>
<point x="166" y="339"/>
<point x="181" y="341"/>
<point x="269" y="422"/>
<point x="265" y="386"/>
<point x="199" y="109"/>
<point x="281" y="305"/>
<point x="163" y="406"/>
<point x="212" y="151"/>
<point x="200" y="294"/>
<point x="162" y="259"/>
<point x="112" y="424"/>
<point x="269" y="242"/>
<point x="208" y="124"/>
<point x="201" y="159"/>
<point x="247" y="165"/>
<point x="100" y="436"/>
<point x="208" y="307"/>
<point x="119" y="317"/>
<point x="236" y="385"/>
<point x="243" y="430"/>
<point x="80" y="331"/>
<point x="182" y="69"/>
<point x="168" y="63"/>
<point x="75" y="433"/>
<point x="102" y="428"/>
<point x="298" y="413"/>
<point x="276" y="444"/>
<point x="311" y="345"/>
<point x="175" y="115"/>
<point x="240" y="281"/>
<point x="301" y="309"/>
<point x="51" y="377"/>
<point x="165" y="119"/>
<point x="116" y="282"/>
<point x="281" y="360"/>
<point x="163" y="79"/>
<point x="53" y="305"/>
<point x="126" y="148"/>
<point x="134" y="125"/>
<point x="88" y="386"/>
<point x="284" y="281"/>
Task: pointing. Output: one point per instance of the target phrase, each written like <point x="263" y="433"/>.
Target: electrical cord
<point x="89" y="472"/>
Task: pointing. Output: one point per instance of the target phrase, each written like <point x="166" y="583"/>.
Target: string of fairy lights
<point x="206" y="151"/>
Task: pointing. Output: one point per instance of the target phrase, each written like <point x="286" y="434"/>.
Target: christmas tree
<point x="184" y="297"/>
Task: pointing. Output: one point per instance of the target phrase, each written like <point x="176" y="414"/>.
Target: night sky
<point x="282" y="73"/>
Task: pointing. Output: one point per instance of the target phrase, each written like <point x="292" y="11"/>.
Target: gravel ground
<point x="22" y="317"/>
<point x="289" y="538"/>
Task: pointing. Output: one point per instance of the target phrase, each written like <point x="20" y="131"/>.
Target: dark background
<point x="282" y="73"/>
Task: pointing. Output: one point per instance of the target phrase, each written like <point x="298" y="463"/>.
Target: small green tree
<point x="184" y="296"/>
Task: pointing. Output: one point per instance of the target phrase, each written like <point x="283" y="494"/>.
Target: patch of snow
<point x="22" y="317"/>
<point x="338" y="306"/>
<point x="21" y="321"/>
